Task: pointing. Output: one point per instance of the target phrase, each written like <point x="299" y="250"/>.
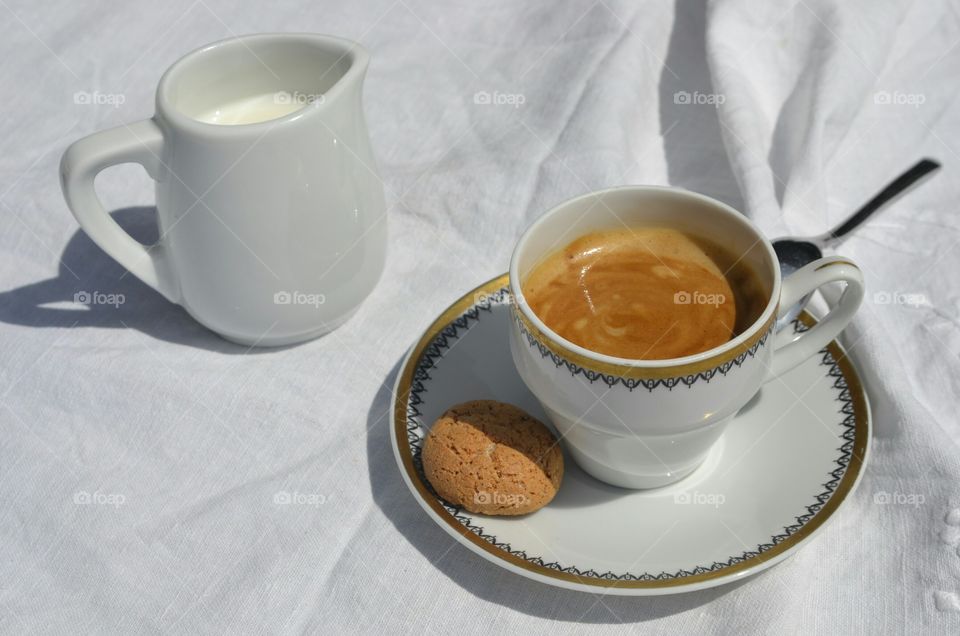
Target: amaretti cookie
<point x="492" y="458"/>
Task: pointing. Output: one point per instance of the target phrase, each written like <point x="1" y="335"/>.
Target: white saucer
<point x="784" y="466"/>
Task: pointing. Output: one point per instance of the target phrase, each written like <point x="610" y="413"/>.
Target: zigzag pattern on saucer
<point x="483" y="305"/>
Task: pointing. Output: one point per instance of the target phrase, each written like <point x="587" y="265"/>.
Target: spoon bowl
<point x="793" y="254"/>
<point x="796" y="252"/>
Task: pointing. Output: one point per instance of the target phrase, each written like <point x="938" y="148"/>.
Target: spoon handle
<point x="897" y="187"/>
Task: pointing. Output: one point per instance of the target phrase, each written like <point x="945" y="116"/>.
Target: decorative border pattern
<point x="632" y="383"/>
<point x="483" y="302"/>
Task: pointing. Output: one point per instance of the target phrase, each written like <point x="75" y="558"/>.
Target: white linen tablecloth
<point x="794" y="112"/>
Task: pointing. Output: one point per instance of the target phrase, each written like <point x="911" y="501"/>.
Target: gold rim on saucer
<point x="490" y="289"/>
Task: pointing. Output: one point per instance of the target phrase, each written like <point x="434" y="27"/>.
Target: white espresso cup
<point x="649" y="423"/>
<point x="270" y="210"/>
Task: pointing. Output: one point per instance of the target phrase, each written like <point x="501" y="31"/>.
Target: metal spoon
<point x="795" y="252"/>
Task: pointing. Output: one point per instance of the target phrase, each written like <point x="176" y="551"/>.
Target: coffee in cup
<point x="646" y="413"/>
<point x="645" y="293"/>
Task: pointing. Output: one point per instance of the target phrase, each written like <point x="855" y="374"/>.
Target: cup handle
<point x="807" y="280"/>
<point x="141" y="142"/>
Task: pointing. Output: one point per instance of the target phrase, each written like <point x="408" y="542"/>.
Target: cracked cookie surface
<point x="492" y="458"/>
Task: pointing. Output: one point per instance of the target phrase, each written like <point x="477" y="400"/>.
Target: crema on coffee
<point x="644" y="293"/>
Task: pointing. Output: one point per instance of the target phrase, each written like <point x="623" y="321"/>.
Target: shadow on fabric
<point x="689" y="123"/>
<point x="87" y="273"/>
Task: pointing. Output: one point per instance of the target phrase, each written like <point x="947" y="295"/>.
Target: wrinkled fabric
<point x="144" y="461"/>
